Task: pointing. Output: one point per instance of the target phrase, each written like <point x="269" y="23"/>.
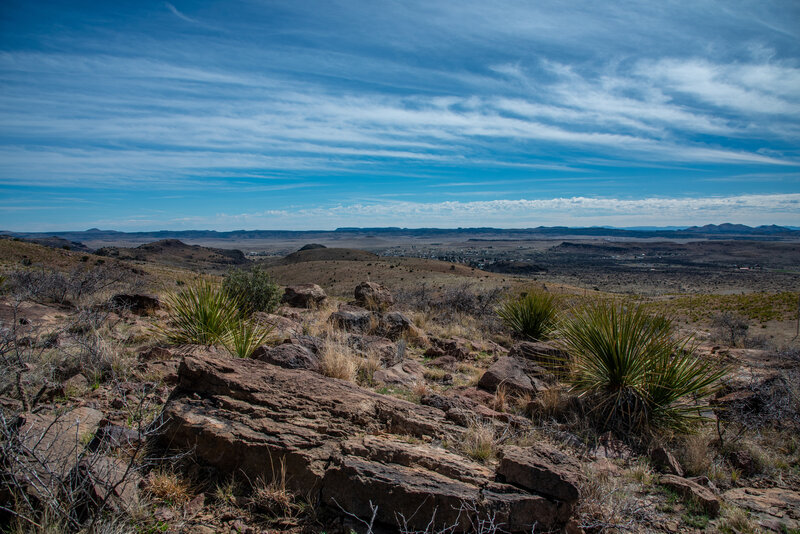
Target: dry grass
<point x="273" y="498"/>
<point x="736" y="520"/>
<point x="479" y="440"/>
<point x="695" y="454"/>
<point x="338" y="361"/>
<point x="167" y="485"/>
<point x="473" y="374"/>
<point x="606" y="504"/>
<point x="225" y="492"/>
<point x="641" y="472"/>
<point x="551" y="403"/>
<point x="367" y="367"/>
<point x="501" y="398"/>
<point x="435" y="374"/>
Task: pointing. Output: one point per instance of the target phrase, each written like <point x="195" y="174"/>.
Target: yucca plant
<point x="245" y="337"/>
<point x="639" y="375"/>
<point x="202" y="314"/>
<point x="531" y="316"/>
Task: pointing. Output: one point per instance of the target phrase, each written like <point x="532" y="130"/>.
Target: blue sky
<point x="313" y="115"/>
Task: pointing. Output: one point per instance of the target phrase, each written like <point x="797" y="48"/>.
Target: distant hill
<point x="328" y="254"/>
<point x="177" y="253"/>
<point x="59" y="242"/>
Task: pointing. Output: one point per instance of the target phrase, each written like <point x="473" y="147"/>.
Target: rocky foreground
<point x="358" y="450"/>
<point x="370" y="460"/>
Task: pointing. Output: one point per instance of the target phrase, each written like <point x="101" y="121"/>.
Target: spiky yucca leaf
<point x="246" y="337"/>
<point x="637" y="373"/>
<point x="530" y="316"/>
<point x="202" y="314"/>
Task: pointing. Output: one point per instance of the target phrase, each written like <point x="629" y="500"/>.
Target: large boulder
<point x="373" y="296"/>
<point x="344" y="444"/>
<point x="304" y="296"/>
<point x="665" y="462"/>
<point x="519" y="376"/>
<point x="384" y="348"/>
<point x="288" y="355"/>
<point x="407" y="374"/>
<point x="541" y="469"/>
<point x="395" y="325"/>
<point x="354" y="319"/>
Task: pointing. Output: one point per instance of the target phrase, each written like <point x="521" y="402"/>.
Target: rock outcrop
<point x="516" y="374"/>
<point x="373" y="296"/>
<point x="343" y="444"/>
<point x="690" y="489"/>
<point x="304" y="296"/>
<point x="288" y="355"/>
<point x="541" y="469"/>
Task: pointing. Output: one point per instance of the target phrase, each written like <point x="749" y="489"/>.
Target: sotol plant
<point x="639" y="375"/>
<point x="202" y="314"/>
<point x="530" y="316"/>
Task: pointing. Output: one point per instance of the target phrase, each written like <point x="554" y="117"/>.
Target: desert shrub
<point x="531" y="315"/>
<point x="450" y="302"/>
<point x="254" y="289"/>
<point x="245" y="337"/>
<point x="638" y="375"/>
<point x="202" y="314"/>
<point x="730" y="328"/>
<point x="49" y="285"/>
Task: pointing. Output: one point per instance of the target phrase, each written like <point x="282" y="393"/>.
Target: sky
<point x="138" y="115"/>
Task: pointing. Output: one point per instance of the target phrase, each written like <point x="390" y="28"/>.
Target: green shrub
<point x="202" y="314"/>
<point x="245" y="337"/>
<point x="254" y="289"/>
<point x="531" y="315"/>
<point x="637" y="373"/>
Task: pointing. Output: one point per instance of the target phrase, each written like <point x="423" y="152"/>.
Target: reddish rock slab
<point x="541" y="469"/>
<point x="341" y="443"/>
<point x="777" y="509"/>
<point x="694" y="491"/>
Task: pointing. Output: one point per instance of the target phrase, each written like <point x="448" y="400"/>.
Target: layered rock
<point x="341" y="443"/>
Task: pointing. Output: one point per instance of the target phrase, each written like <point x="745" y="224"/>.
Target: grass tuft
<point x="530" y="316"/>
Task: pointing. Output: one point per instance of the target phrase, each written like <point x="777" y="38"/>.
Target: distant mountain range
<point x="74" y="239"/>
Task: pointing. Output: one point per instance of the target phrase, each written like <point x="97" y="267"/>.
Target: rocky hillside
<point x="368" y="413"/>
<point x="178" y="254"/>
